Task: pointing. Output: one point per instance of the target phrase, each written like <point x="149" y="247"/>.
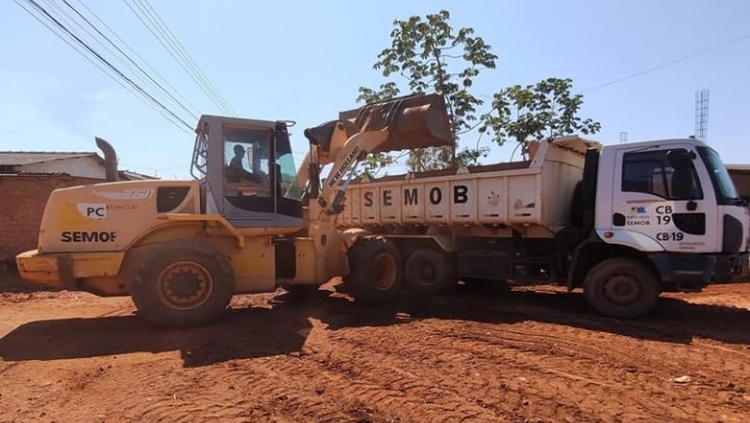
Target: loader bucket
<point x="415" y="121"/>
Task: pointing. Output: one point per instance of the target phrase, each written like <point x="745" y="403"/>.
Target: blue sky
<point x="304" y="60"/>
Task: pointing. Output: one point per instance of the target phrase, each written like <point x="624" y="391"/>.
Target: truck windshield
<point x="726" y="193"/>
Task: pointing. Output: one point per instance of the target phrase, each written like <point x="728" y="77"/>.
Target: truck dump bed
<point x="531" y="193"/>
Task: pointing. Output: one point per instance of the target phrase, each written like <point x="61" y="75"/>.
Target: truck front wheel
<point x="621" y="287"/>
<point x="375" y="270"/>
<point x="183" y="284"/>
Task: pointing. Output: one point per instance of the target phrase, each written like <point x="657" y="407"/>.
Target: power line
<point x="201" y="74"/>
<point x="173" y="47"/>
<point x="108" y="68"/>
<point x="132" y="51"/>
<point x="671" y="62"/>
<point x="143" y="72"/>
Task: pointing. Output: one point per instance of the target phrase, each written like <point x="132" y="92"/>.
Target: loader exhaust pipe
<point x="110" y="159"/>
<point x="414" y="121"/>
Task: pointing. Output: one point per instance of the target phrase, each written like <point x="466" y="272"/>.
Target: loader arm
<point x="332" y="195"/>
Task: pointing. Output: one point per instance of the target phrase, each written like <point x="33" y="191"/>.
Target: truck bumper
<point x="692" y="272"/>
<point x="62" y="270"/>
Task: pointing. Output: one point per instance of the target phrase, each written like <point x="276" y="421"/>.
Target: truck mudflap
<point x="62" y="270"/>
<point x="692" y="272"/>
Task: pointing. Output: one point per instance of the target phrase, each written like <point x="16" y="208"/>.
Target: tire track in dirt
<point x="400" y="383"/>
<point x="535" y="354"/>
<point x="643" y="364"/>
<point x="464" y="375"/>
<point x="281" y="391"/>
<point x="340" y="383"/>
<point x="402" y="376"/>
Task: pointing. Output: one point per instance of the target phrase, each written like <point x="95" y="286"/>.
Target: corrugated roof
<point x="21" y="158"/>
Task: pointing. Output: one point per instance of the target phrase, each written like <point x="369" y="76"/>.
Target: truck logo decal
<point x="93" y="210"/>
<point x="88" y="236"/>
<point x="126" y="194"/>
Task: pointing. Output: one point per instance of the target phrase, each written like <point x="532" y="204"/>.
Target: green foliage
<point x="431" y="56"/>
<point x="376" y="163"/>
<point x="545" y="109"/>
<point x="471" y="156"/>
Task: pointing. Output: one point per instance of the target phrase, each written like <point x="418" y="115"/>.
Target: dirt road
<point x="523" y="356"/>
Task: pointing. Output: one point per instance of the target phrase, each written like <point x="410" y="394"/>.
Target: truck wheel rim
<point x="184" y="285"/>
<point x="385" y="272"/>
<point x="622" y="289"/>
<point x="426" y="271"/>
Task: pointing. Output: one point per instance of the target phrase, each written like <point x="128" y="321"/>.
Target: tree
<point x="544" y="109"/>
<point x="430" y="55"/>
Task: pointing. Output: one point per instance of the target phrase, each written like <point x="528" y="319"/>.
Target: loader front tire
<point x="375" y="271"/>
<point x="183" y="284"/>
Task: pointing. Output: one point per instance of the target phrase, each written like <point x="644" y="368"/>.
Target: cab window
<point x="650" y="172"/>
<point x="246" y="154"/>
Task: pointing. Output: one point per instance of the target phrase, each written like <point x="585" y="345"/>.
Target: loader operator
<point x="236" y="173"/>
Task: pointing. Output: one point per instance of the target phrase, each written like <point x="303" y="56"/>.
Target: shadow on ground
<point x="673" y="320"/>
<point x="260" y="332"/>
<point x="241" y="334"/>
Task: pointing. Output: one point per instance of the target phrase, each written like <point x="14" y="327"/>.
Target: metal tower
<point x="701" y="115"/>
<point x="623" y="137"/>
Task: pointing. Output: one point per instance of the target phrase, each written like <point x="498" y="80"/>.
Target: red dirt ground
<point x="523" y="356"/>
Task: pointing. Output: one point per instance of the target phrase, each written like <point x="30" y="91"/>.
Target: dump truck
<point x="625" y="222"/>
<point x="250" y="221"/>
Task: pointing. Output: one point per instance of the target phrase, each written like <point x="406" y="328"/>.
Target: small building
<point x="26" y="181"/>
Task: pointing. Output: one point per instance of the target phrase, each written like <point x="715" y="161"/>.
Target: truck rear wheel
<point x="183" y="284"/>
<point x="431" y="272"/>
<point x="621" y="287"/>
<point x="375" y="270"/>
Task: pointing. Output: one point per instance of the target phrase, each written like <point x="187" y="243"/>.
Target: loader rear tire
<point x="621" y="287"/>
<point x="375" y="271"/>
<point x="183" y="284"/>
<point x="430" y="272"/>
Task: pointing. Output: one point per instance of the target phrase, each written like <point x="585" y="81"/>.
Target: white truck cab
<point x="674" y="201"/>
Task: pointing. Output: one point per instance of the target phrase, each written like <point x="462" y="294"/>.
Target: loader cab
<point x="247" y="172"/>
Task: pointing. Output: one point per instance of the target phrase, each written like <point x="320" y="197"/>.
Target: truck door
<point x="665" y="195"/>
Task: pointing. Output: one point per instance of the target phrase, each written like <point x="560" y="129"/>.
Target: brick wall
<point x="22" y="202"/>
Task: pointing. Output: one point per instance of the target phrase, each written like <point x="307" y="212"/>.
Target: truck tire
<point x="183" y="284"/>
<point x="375" y="271"/>
<point x="621" y="287"/>
<point x="430" y="272"/>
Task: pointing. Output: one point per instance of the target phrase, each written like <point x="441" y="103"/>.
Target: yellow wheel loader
<point x="249" y="222"/>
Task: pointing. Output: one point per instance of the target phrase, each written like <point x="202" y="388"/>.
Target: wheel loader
<point x="249" y="221"/>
